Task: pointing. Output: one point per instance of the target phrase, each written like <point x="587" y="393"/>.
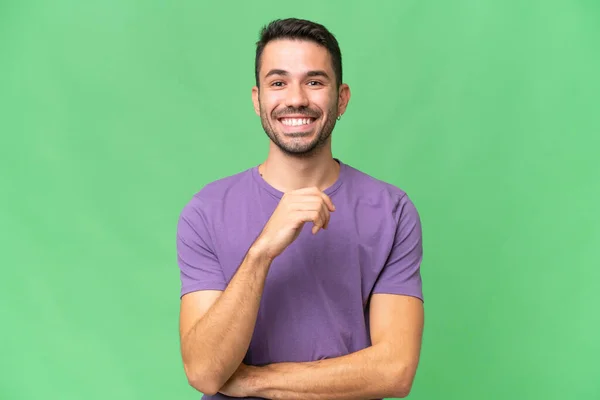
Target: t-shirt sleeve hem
<point x="400" y="291"/>
<point x="202" y="286"/>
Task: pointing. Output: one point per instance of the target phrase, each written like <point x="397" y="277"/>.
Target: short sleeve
<point x="198" y="263"/>
<point x="402" y="271"/>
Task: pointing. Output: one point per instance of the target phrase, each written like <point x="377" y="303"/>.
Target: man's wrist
<point x="255" y="380"/>
<point x="258" y="252"/>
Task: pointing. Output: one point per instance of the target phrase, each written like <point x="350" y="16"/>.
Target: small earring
<point x="339" y="117"/>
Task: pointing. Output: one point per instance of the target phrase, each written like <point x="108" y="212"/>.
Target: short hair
<point x="300" y="29"/>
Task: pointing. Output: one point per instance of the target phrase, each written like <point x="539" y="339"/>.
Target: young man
<point x="300" y="276"/>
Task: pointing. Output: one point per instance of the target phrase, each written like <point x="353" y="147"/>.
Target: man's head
<point x="299" y="91"/>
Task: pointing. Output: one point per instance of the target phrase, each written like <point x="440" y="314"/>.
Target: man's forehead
<point x="294" y="52"/>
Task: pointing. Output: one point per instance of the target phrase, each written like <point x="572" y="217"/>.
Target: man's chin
<point x="299" y="152"/>
<point x="298" y="147"/>
<point x="296" y="135"/>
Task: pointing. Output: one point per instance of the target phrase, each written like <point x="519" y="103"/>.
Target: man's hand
<point x="239" y="383"/>
<point x="294" y="210"/>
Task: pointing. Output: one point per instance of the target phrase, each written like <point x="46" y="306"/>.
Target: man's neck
<point x="286" y="173"/>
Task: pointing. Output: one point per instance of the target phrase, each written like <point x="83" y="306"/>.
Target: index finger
<point x="316" y="190"/>
<point x="327" y="201"/>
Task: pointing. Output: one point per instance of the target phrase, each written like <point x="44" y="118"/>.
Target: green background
<point x="114" y="112"/>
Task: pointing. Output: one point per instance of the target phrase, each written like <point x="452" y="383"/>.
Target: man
<point x="300" y="276"/>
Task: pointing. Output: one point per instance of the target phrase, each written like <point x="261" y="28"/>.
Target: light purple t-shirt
<point x="316" y="296"/>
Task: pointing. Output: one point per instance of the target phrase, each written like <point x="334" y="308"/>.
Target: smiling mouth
<point x="296" y="121"/>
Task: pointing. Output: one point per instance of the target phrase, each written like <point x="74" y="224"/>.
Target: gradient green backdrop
<point x="114" y="112"/>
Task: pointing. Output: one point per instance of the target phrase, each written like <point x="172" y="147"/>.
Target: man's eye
<point x="314" y="83"/>
<point x="278" y="83"/>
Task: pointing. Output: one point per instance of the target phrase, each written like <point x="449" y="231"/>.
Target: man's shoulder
<point x="213" y="192"/>
<point x="379" y="197"/>
<point x="367" y="185"/>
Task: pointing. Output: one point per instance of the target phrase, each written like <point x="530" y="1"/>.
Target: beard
<point x="295" y="147"/>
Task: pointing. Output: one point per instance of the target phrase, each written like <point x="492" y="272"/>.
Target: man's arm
<point x="386" y="369"/>
<point x="216" y="327"/>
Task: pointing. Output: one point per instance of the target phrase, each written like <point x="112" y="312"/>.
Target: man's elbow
<point x="401" y="381"/>
<point x="400" y="391"/>
<point x="203" y="380"/>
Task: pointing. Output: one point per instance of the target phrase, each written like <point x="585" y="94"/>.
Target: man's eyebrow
<point x="276" y="72"/>
<point x="309" y="74"/>
<point x="317" y="73"/>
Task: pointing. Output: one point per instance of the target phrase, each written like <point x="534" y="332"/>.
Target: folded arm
<point x="385" y="369"/>
<point x="216" y="327"/>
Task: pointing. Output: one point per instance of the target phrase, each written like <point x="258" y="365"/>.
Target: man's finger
<point x="325" y="215"/>
<point x="327" y="201"/>
<point x="315" y="191"/>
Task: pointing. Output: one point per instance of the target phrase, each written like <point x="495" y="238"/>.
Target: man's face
<point x="298" y="101"/>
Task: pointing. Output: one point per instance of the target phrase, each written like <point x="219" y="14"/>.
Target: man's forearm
<point x="367" y="374"/>
<point x="217" y="343"/>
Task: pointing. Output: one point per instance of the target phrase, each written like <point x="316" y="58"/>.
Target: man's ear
<point x="255" y="100"/>
<point x="343" y="98"/>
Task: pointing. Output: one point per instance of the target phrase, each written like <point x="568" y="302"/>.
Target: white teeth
<point x="296" y="121"/>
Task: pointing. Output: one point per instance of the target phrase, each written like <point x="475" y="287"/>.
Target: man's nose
<point x="296" y="96"/>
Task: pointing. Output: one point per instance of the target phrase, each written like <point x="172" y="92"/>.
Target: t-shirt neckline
<point x="279" y="194"/>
